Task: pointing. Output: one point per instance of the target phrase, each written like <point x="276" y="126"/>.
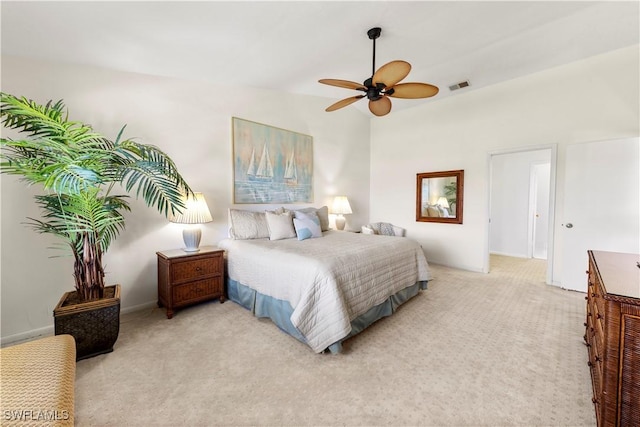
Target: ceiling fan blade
<point x="414" y="90"/>
<point x="343" y="83"/>
<point x="344" y="103"/>
<point x="380" y="107"/>
<point x="391" y="73"/>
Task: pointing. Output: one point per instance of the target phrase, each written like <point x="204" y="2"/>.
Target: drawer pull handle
<point x="599" y="316"/>
<point x="589" y="363"/>
<point x="593" y="294"/>
<point x="594" y="400"/>
<point x="198" y="268"/>
<point x="586" y="298"/>
<point x="598" y="359"/>
<point x="585" y="323"/>
<point x="587" y="272"/>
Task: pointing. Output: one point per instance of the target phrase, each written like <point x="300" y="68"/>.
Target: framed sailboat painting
<point x="271" y="165"/>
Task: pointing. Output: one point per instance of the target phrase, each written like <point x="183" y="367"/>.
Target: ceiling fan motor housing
<point x="374" y="92"/>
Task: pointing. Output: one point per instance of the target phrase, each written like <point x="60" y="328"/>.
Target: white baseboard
<point x="27" y="336"/>
<point x="455" y="265"/>
<point x="49" y="330"/>
<point x="508" y="254"/>
<point x="139" y="307"/>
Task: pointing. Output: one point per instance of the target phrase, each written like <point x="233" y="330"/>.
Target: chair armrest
<point x="399" y="231"/>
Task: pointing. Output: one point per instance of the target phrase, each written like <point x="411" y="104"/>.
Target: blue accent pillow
<point x="307" y="225"/>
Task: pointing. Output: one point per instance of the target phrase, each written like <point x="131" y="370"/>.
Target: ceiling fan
<point x="382" y="84"/>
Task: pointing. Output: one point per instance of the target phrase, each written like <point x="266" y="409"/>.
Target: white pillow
<point x="280" y="226"/>
<point x="368" y="230"/>
<point x="307" y="225"/>
<point x="248" y="224"/>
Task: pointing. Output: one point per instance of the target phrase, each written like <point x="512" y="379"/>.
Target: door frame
<point x="552" y="202"/>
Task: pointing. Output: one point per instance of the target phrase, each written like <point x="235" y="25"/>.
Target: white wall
<point x="594" y="99"/>
<point x="509" y="212"/>
<point x="189" y="120"/>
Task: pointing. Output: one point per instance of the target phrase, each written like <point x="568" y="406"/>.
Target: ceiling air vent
<point x="459" y="85"/>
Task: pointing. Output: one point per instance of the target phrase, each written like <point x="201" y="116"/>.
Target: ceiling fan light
<point x="380" y="107"/>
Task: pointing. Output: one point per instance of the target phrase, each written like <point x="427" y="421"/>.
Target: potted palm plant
<point x="79" y="170"/>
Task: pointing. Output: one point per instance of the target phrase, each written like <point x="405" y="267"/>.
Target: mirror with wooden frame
<point x="439" y="196"/>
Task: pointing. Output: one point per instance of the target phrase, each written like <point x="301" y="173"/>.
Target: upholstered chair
<point x="383" y="228"/>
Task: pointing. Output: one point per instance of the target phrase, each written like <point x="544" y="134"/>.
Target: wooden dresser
<point x="186" y="278"/>
<point x="613" y="337"/>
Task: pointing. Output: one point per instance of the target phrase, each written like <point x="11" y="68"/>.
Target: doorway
<point x="538" y="225"/>
<point x="521" y="205"/>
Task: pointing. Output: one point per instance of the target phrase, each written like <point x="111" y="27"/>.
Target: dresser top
<point x="177" y="253"/>
<point x="619" y="272"/>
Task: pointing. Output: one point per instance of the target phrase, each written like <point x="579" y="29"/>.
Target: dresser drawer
<point x="193" y="269"/>
<point x="198" y="290"/>
<point x="598" y="326"/>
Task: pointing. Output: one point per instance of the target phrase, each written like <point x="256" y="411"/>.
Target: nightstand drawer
<point x="189" y="270"/>
<point x="194" y="291"/>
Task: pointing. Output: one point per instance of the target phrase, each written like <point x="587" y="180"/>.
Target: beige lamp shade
<point x="195" y="212"/>
<point x="442" y="201"/>
<point x="341" y="207"/>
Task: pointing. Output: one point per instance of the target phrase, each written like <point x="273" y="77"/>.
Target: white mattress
<point x="328" y="281"/>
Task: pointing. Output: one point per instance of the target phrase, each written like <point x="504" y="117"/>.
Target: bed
<point x="324" y="290"/>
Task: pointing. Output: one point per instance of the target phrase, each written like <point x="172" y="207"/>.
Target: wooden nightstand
<point x="186" y="278"/>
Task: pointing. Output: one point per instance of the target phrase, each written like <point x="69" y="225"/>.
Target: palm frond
<point x="154" y="175"/>
<point x="79" y="168"/>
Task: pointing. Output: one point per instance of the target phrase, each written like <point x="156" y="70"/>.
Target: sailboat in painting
<point x="264" y="170"/>
<point x="290" y="170"/>
<point x="251" y="170"/>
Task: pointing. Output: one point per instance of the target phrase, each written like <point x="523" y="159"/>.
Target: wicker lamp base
<point x="94" y="325"/>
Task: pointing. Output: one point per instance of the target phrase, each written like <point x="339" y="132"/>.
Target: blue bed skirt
<point x="280" y="311"/>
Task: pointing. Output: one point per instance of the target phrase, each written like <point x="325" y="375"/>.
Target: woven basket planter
<point x="95" y="325"/>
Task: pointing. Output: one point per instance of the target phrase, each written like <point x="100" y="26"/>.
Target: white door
<point x="601" y="204"/>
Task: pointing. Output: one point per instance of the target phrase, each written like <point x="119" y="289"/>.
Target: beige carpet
<point x="498" y="349"/>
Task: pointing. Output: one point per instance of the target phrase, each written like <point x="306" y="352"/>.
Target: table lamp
<point x="195" y="212"/>
<point x="341" y="207"/>
<point x="442" y="201"/>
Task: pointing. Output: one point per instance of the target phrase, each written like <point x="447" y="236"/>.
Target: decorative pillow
<point x="307" y="225"/>
<point x="248" y="224"/>
<point x="280" y="226"/>
<point x="368" y="230"/>
<point x="386" y="229"/>
<point x="279" y="211"/>
<point x="322" y="213"/>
